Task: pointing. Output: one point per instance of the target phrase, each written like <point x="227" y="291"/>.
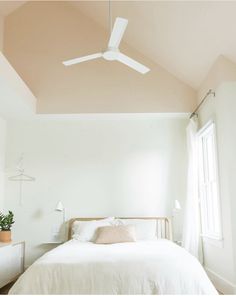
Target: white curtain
<point x="191" y="231"/>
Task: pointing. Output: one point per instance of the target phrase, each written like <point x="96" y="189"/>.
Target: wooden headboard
<point x="164" y="226"/>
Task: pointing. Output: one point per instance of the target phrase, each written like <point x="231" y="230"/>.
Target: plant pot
<point x="5" y="236"/>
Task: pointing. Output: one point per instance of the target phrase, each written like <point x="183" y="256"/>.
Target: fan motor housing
<point x="111" y="54"/>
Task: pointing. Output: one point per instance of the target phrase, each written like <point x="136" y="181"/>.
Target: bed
<point x="143" y="267"/>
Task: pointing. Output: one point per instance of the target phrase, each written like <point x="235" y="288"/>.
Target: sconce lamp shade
<point x="59" y="207"/>
<point x="177" y="205"/>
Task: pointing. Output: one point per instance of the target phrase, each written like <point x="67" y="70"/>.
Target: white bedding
<point x="144" y="267"/>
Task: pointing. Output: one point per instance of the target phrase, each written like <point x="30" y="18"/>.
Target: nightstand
<point x="53" y="243"/>
<point x="11" y="261"/>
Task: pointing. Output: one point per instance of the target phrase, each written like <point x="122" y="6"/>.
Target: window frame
<point x="200" y="134"/>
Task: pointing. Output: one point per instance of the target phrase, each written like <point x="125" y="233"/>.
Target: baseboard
<point x="221" y="284"/>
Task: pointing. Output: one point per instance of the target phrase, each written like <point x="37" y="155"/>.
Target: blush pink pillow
<point x="115" y="234"/>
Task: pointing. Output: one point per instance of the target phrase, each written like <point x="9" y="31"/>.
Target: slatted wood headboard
<point x="164" y="226"/>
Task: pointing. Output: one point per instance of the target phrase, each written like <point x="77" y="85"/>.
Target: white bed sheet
<point x="144" y="267"/>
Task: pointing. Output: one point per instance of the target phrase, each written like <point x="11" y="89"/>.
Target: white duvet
<point x="145" y="267"/>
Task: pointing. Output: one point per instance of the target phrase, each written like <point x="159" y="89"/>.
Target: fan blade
<point x="82" y="59"/>
<point x="117" y="32"/>
<point x="132" y="63"/>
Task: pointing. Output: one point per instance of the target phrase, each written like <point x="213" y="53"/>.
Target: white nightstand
<point x="53" y="243"/>
<point x="11" y="261"/>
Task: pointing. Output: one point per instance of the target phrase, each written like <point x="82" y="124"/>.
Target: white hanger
<point x="21" y="176"/>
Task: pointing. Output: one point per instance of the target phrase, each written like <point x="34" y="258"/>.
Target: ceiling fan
<point x="112" y="53"/>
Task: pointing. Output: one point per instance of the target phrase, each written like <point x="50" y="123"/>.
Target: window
<point x="208" y="183"/>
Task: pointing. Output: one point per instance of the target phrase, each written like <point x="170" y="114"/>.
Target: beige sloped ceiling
<point x="38" y="36"/>
<point x="7" y="7"/>
<point x="185" y="37"/>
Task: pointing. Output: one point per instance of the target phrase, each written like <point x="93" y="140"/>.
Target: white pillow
<point x="84" y="231"/>
<point x="144" y="229"/>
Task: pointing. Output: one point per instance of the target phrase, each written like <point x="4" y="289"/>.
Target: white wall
<point x="220" y="260"/>
<point x="96" y="168"/>
<point x="16" y="99"/>
<point x="2" y="159"/>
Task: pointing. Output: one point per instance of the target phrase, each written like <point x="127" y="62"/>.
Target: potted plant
<point x="6" y="222"/>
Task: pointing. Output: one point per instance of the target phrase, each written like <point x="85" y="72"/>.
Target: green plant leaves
<point x="6" y="221"/>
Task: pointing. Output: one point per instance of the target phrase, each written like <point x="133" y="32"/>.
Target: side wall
<point x="219" y="257"/>
<point x="2" y="160"/>
<point x="105" y="167"/>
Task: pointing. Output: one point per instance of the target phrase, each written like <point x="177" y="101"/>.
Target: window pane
<point x="208" y="187"/>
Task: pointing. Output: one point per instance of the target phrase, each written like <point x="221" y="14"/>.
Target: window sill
<point x="217" y="242"/>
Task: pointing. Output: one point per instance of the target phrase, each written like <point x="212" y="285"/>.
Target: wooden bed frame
<point x="164" y="225"/>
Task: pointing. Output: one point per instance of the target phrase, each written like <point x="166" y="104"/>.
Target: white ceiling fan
<point x="112" y="53"/>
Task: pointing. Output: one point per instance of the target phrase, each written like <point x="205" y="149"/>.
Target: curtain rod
<point x="210" y="92"/>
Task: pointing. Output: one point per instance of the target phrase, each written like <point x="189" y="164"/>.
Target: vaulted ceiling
<point x="7" y="7"/>
<point x="185" y="37"/>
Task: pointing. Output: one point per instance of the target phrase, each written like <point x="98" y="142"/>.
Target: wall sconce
<point x="60" y="208"/>
<point x="177" y="206"/>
